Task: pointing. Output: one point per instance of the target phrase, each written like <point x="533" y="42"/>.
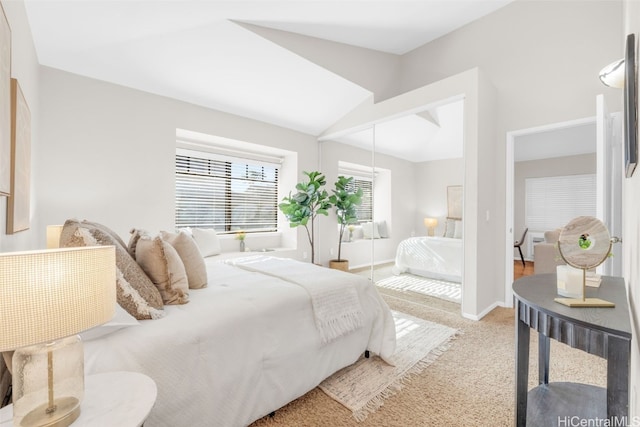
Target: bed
<point x="245" y="345"/>
<point x="433" y="257"/>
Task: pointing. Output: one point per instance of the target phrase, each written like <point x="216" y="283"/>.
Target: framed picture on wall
<point x="454" y="201"/>
<point x="630" y="107"/>
<point x="18" y="204"/>
<point x="5" y="104"/>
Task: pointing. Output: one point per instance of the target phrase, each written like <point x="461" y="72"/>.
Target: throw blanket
<point x="334" y="298"/>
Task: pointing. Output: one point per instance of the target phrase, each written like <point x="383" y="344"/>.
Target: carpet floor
<point x="471" y="384"/>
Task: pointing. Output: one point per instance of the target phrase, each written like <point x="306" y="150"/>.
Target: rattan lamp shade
<point x="48" y="295"/>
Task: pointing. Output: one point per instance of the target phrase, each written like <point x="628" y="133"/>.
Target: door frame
<point x="510" y="196"/>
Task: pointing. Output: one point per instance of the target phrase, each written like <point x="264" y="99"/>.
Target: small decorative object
<point x="309" y="201"/>
<point x="351" y="227"/>
<point x="346" y="199"/>
<point x="584" y="244"/>
<point x="431" y="224"/>
<point x="240" y="235"/>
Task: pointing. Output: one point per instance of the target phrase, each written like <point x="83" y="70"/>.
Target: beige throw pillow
<point x="135" y="291"/>
<point x="191" y="257"/>
<point x="163" y="265"/>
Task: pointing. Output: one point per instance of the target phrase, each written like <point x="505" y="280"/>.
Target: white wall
<point x="107" y="152"/>
<point x="543" y="59"/>
<point x="24" y="67"/>
<point x="631" y="236"/>
<point x="432" y="179"/>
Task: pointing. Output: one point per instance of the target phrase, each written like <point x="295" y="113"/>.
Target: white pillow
<point x="207" y="241"/>
<point x="121" y="319"/>
<point x="449" y="228"/>
<point x="382" y="229"/>
<point x="457" y="233"/>
<point x="369" y="230"/>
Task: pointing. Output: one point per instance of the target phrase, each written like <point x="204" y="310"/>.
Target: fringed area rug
<point x="449" y="291"/>
<point x="363" y="386"/>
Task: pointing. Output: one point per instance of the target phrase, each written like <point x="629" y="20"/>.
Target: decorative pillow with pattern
<point x="136" y="293"/>
<point x="163" y="265"/>
<point x="190" y="255"/>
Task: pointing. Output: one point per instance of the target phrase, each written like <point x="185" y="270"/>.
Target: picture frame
<point x="5" y="104"/>
<point x="454" y="201"/>
<point x="630" y="107"/>
<point x="18" y="203"/>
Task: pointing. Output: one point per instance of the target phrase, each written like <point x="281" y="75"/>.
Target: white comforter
<point x="241" y="348"/>
<point x="435" y="257"/>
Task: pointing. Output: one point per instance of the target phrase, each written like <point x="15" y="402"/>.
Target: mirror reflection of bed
<point x="417" y="168"/>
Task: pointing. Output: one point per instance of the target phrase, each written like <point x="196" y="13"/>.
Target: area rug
<point x="449" y="291"/>
<point x="363" y="386"/>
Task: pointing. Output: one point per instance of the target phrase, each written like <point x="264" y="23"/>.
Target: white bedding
<point x="435" y="257"/>
<point x="241" y="348"/>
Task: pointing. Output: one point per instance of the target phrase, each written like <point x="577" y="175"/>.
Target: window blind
<point x="224" y="194"/>
<point x="365" y="210"/>
<point x="551" y="202"/>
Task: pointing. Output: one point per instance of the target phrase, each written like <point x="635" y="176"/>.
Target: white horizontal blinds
<point x="224" y="194"/>
<point x="551" y="202"/>
<point x="365" y="210"/>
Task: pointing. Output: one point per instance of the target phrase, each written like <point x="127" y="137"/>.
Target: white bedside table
<point x="122" y="399"/>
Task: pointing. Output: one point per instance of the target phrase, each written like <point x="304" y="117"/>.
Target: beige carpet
<point x="363" y="386"/>
<point x="471" y="384"/>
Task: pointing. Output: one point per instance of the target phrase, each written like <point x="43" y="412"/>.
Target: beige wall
<point x="432" y="180"/>
<point x="107" y="152"/>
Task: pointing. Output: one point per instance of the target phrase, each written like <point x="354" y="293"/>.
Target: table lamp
<point x="46" y="298"/>
<point x="431" y="224"/>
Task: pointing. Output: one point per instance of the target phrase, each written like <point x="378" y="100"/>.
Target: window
<point x="224" y="193"/>
<point x="552" y="202"/>
<point x="365" y="210"/>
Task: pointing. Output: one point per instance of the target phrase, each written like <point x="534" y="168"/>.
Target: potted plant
<point x="346" y="201"/>
<point x="309" y="201"/>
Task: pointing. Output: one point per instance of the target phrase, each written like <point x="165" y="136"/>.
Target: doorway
<point x="558" y="149"/>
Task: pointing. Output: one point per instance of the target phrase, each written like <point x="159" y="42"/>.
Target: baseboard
<point x="483" y="313"/>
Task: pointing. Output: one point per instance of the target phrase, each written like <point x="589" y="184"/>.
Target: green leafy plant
<point x="346" y="201"/>
<point x="309" y="201"/>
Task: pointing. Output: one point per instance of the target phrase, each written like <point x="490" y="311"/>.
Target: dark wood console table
<point x="605" y="332"/>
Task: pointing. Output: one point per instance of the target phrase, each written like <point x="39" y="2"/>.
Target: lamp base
<point x="587" y="302"/>
<point x="63" y="416"/>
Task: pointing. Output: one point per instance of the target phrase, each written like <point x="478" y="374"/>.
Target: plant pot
<point x="342" y="265"/>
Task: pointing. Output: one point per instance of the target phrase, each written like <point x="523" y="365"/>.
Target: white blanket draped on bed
<point x="334" y="299"/>
<point x="242" y="347"/>
<point x="435" y="257"/>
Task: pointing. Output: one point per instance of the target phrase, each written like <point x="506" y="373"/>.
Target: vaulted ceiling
<point x="223" y="55"/>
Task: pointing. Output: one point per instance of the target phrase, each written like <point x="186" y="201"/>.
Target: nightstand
<point x="122" y="399"/>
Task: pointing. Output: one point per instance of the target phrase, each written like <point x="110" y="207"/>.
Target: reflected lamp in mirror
<point x="53" y="236"/>
<point x="431" y="224"/>
<point x="613" y="74"/>
<point x="46" y="298"/>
